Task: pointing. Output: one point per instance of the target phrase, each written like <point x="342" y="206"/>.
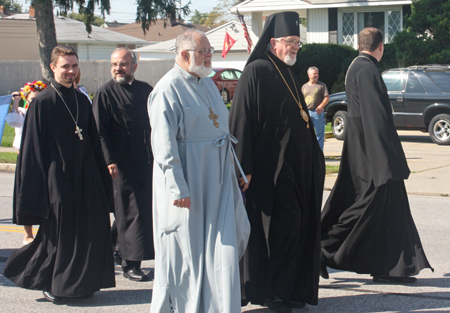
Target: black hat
<point x="277" y="25"/>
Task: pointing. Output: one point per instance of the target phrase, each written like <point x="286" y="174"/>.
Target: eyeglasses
<point x="120" y="64"/>
<point x="204" y="51"/>
<point x="293" y="43"/>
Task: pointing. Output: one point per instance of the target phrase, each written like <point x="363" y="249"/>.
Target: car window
<point x="394" y="81"/>
<point x="238" y="74"/>
<point x="212" y="73"/>
<point x="414" y="85"/>
<point x="441" y="79"/>
<point x="228" y="75"/>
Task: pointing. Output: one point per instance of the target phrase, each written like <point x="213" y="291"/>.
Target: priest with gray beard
<point x="200" y="224"/>
<point x="120" y="110"/>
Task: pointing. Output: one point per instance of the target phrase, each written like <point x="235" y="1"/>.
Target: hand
<point x="243" y="184"/>
<point x="319" y="110"/>
<point x="113" y="170"/>
<point x="183" y="203"/>
<point x="15" y="94"/>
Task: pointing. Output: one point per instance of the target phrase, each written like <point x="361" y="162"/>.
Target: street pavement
<point x="343" y="292"/>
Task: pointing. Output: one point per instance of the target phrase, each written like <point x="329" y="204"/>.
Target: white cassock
<point x="197" y="250"/>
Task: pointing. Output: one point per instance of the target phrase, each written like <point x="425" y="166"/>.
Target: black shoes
<point x="117" y="258"/>
<point x="135" y="274"/>
<point x="393" y="279"/>
<point x="50" y="297"/>
<point x="278" y="305"/>
<point x="324" y="271"/>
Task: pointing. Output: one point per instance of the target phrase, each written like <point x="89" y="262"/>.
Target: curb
<point x="7" y="167"/>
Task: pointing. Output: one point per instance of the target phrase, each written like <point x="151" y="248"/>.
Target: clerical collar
<point x="375" y="61"/>
<point x="61" y="87"/>
<point x="186" y="74"/>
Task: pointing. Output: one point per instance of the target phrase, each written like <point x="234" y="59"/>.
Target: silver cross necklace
<point x="78" y="130"/>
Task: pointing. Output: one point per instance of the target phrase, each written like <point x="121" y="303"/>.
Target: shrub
<point x="328" y="58"/>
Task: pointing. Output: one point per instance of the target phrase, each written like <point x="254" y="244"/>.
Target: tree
<point x="198" y="18"/>
<point x="98" y="20"/>
<point x="11" y="6"/>
<point x="147" y="12"/>
<point x="426" y="35"/>
<point x="218" y="16"/>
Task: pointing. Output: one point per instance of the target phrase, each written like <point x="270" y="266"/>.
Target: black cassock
<point x="122" y="120"/>
<point x="63" y="185"/>
<point x="367" y="225"/>
<point x="284" y="198"/>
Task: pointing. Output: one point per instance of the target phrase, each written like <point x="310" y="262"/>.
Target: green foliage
<point x="97" y="20"/>
<point x="199" y="18"/>
<point x="8" y="157"/>
<point x="148" y="11"/>
<point x="330" y="59"/>
<point x="11" y="6"/>
<point x="8" y="136"/>
<point x="426" y="36"/>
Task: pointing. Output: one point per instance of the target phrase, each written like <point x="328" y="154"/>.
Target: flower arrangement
<point x="37" y="85"/>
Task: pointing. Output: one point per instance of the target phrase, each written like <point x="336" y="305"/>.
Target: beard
<point x="290" y="60"/>
<point x="199" y="70"/>
<point x="122" y="79"/>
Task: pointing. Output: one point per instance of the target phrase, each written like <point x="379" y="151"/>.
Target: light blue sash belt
<point x="220" y="142"/>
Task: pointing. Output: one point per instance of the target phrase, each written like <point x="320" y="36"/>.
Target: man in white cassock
<point x="200" y="224"/>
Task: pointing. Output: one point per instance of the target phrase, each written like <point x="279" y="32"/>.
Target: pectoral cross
<point x="212" y="116"/>
<point x="78" y="131"/>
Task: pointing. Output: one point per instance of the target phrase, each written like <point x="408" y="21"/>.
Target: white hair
<point x="312" y="68"/>
<point x="186" y="41"/>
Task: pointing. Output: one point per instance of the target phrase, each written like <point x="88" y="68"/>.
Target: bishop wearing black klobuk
<point x="63" y="185"/>
<point x="367" y="225"/>
<point x="120" y="109"/>
<point x="278" y="148"/>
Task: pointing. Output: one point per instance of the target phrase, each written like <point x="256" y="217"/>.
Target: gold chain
<point x="212" y="116"/>
<point x="302" y="112"/>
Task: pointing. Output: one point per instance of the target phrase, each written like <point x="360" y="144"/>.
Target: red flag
<point x="246" y="34"/>
<point x="227" y="44"/>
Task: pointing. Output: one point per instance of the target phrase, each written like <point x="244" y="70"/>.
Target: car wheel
<point x="439" y="129"/>
<point x="339" y="122"/>
<point x="225" y="96"/>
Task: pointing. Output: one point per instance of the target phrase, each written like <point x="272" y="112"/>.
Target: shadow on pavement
<point x="108" y="297"/>
<point x="421" y="139"/>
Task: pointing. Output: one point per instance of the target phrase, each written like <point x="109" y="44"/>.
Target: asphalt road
<point x="343" y="292"/>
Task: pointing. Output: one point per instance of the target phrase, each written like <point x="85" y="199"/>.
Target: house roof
<point x="157" y="32"/>
<point x="249" y="6"/>
<point x="71" y="31"/>
<point x="215" y="36"/>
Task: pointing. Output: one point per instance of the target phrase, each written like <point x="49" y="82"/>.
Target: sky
<point x="124" y="11"/>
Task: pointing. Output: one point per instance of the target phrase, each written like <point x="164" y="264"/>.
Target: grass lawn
<point x="328" y="127"/>
<point x="330" y="169"/>
<point x="8" y="136"/>
<point x="8" y="157"/>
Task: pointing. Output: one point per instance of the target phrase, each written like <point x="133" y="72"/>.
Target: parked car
<point x="226" y="80"/>
<point x="420" y="97"/>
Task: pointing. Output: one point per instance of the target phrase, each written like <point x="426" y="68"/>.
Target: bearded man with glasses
<point x="120" y="110"/>
<point x="284" y="164"/>
<point x="200" y="225"/>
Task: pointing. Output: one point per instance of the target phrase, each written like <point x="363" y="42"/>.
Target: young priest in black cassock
<point x="120" y="109"/>
<point x="278" y="148"/>
<point x="63" y="185"/>
<point x="367" y="226"/>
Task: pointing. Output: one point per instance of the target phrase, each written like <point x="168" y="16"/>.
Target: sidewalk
<point x="428" y="162"/>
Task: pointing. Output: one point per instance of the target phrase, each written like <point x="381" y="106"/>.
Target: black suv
<point x="420" y="96"/>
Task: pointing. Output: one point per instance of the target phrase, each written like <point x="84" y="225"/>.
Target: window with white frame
<point x="353" y="22"/>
